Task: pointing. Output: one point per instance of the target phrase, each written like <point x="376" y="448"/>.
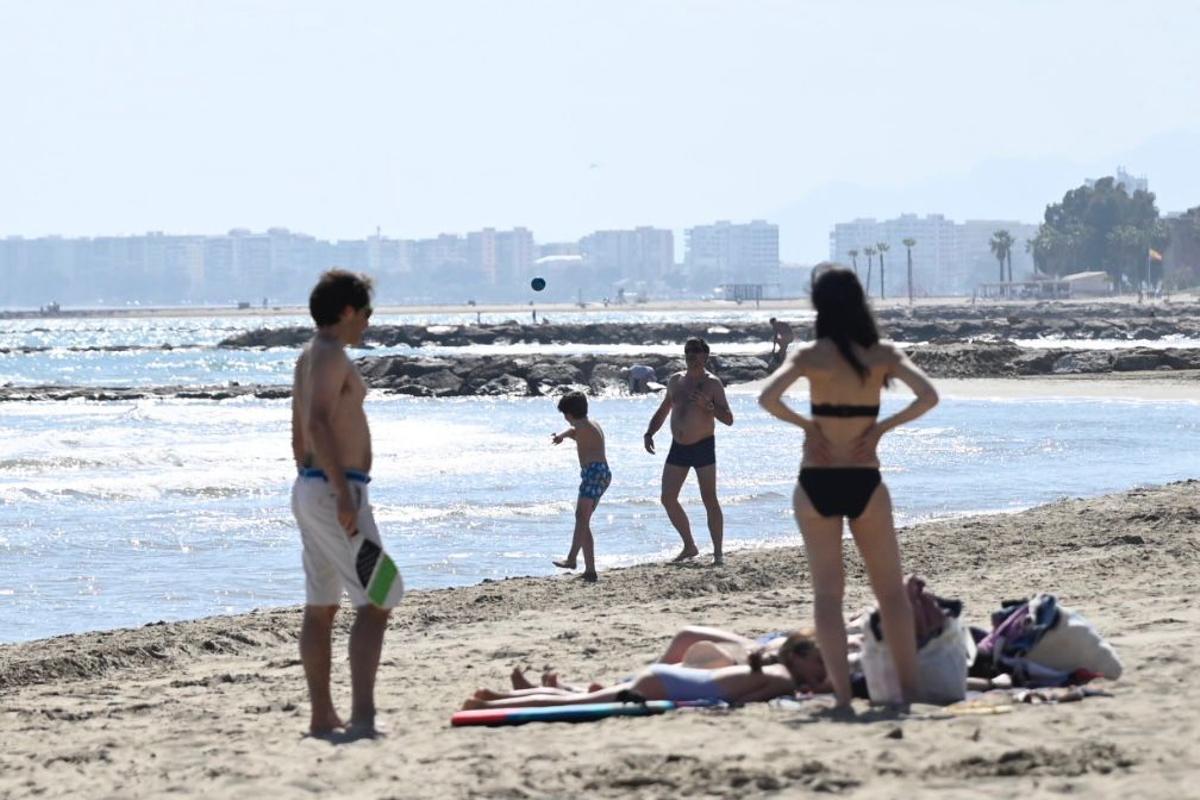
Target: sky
<point x="568" y="116"/>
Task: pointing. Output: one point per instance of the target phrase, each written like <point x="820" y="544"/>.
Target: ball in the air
<point x="537" y="284"/>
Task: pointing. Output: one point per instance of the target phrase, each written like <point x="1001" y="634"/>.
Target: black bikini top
<point x="832" y="410"/>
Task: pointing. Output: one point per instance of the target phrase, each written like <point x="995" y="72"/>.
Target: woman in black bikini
<point x="847" y="368"/>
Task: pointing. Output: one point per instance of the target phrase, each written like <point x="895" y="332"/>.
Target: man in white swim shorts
<point x="331" y="442"/>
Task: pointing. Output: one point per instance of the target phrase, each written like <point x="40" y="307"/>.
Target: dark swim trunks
<point x="701" y="454"/>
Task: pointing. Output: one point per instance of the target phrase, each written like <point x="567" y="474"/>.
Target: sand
<point x="217" y="707"/>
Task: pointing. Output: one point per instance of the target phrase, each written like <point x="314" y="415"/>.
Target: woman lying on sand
<point x="693" y="646"/>
<point x="798" y="663"/>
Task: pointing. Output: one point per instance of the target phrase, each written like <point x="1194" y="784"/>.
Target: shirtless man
<point x="781" y="336"/>
<point x="694" y="399"/>
<point x="332" y="447"/>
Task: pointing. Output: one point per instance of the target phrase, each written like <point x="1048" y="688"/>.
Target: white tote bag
<point x="941" y="667"/>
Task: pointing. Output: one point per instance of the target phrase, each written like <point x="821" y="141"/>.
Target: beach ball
<point x="537" y="284"/>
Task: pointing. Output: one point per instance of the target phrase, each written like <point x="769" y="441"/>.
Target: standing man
<point x="694" y="399"/>
<point x="342" y="550"/>
<point x="781" y="337"/>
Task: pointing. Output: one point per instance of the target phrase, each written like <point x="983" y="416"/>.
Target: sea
<point x="116" y="514"/>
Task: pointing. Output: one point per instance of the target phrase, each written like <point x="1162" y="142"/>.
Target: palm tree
<point x="1001" y="244"/>
<point x="854" y="260"/>
<point x="881" y="247"/>
<point x="869" y="252"/>
<point x="909" y="244"/>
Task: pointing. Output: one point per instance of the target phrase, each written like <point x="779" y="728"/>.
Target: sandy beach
<point x="217" y="707"/>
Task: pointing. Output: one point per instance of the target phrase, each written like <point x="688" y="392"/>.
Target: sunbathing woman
<point x="799" y="663"/>
<point x="693" y="646"/>
<point x="847" y="367"/>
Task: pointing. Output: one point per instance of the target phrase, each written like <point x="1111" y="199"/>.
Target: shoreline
<point x="130" y="711"/>
<point x="797" y="303"/>
<point x="765" y="548"/>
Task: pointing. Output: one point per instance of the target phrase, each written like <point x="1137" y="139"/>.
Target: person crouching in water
<point x="847" y="367"/>
<point x="594" y="478"/>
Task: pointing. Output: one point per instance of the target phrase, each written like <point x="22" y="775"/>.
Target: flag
<point x="1155" y="255"/>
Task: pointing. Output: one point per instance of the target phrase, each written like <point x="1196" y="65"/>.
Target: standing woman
<point x="847" y="367"/>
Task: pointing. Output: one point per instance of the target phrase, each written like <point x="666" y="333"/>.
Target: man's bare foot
<point x="325" y="724"/>
<point x="550" y="679"/>
<point x="718" y="559"/>
<point x="686" y="554"/>
<point x="489" y="694"/>
<point x="566" y="563"/>
<point x="589" y="577"/>
<point x="519" y="681"/>
<point x="472" y="703"/>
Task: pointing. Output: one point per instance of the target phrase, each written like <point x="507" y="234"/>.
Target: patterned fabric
<point x="594" y="480"/>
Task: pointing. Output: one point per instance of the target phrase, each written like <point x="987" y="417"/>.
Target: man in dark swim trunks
<point x="694" y="399"/>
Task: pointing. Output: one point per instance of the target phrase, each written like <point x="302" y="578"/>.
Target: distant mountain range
<point x="1008" y="188"/>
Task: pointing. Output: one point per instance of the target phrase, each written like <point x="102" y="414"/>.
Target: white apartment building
<point x="743" y="253"/>
<point x="643" y="254"/>
<point x="949" y="258"/>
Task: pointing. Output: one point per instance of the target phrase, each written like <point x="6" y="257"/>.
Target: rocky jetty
<point x="10" y="393"/>
<point x="534" y="375"/>
<point x="537" y="375"/>
<point x="1007" y="360"/>
<point x="919" y="324"/>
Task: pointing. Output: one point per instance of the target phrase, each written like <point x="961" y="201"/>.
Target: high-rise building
<point x="948" y="258"/>
<point x="641" y="255"/>
<point x="734" y="253"/>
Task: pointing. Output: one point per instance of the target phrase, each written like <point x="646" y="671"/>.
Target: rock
<point x="555" y="373"/>
<point x="1082" y="362"/>
<point x="441" y="383"/>
<point x="508" y="385"/>
<point x="1137" y="360"/>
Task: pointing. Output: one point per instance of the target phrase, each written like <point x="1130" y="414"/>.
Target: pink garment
<point x="928" y="617"/>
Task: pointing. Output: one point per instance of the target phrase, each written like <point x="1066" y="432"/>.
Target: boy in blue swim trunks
<point x="594" y="477"/>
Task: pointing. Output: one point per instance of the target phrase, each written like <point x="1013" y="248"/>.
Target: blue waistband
<point x="351" y="474"/>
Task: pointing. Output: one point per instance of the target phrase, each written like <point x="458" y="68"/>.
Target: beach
<point x="217" y="707"/>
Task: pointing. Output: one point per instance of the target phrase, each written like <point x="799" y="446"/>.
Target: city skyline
<point x="463" y="116"/>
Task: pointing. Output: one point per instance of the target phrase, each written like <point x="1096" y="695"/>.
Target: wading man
<point x="694" y="399"/>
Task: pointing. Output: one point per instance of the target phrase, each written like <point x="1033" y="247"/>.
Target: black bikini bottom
<point x="839" y="491"/>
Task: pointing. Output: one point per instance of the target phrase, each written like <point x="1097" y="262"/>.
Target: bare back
<point x="834" y="381"/>
<point x="328" y="394"/>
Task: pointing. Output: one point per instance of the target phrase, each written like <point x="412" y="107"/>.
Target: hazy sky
<point x="422" y="117"/>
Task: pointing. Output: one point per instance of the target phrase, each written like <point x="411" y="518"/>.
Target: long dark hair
<point x="843" y="313"/>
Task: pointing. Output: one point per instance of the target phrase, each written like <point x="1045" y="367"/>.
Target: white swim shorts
<point x="334" y="561"/>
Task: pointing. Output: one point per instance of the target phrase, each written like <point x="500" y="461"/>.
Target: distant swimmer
<point x="694" y="399"/>
<point x="594" y="478"/>
<point x="782" y="336"/>
<point x="640" y="377"/>
<point x="331" y="443"/>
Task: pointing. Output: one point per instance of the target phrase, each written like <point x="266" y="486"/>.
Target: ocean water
<point x="116" y="514"/>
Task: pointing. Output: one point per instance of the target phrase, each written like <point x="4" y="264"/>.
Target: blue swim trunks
<point x="594" y="480"/>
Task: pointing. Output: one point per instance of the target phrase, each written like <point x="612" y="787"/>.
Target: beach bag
<point x="941" y="666"/>
<point x="1074" y="643"/>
